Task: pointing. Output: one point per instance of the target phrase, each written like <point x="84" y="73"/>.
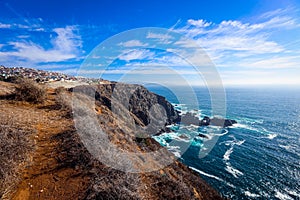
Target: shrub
<point x="30" y="91"/>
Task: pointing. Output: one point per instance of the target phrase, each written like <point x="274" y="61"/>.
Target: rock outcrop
<point x="150" y="112"/>
<point x="189" y="119"/>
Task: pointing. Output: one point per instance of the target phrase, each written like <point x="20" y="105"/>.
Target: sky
<point x="253" y="42"/>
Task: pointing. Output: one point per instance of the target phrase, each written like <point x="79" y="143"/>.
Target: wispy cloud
<point x="237" y="35"/>
<point x="135" y="54"/>
<point x="66" y="45"/>
<point x="247" y="45"/>
<point x="2" y="26"/>
<point x="31" y="25"/>
<point x="201" y="23"/>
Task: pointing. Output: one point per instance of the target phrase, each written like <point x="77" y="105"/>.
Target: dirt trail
<point x="43" y="178"/>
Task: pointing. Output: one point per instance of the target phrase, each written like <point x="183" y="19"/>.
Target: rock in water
<point x="190" y="119"/>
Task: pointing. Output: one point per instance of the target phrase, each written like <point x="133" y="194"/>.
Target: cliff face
<point x="149" y="110"/>
<point x="58" y="165"/>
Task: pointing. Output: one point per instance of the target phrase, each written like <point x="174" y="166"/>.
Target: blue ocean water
<point x="258" y="158"/>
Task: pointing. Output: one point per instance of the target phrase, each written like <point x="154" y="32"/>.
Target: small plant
<point x="30" y="91"/>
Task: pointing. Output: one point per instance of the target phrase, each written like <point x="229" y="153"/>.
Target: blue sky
<point x="250" y="42"/>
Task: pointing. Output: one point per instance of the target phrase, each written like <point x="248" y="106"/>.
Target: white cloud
<point x="135" y="54"/>
<point x="254" y="45"/>
<point x="66" y="46"/>
<point x="4" y="25"/>
<point x="199" y="23"/>
<point x="35" y="53"/>
<point x="236" y="43"/>
<point x="67" y="40"/>
<point x="237" y="35"/>
<point x="32" y="25"/>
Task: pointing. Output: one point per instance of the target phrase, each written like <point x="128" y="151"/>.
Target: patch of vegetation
<point x="28" y="90"/>
<point x="14" y="144"/>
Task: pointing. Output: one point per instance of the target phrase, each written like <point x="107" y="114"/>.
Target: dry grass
<point x="63" y="101"/>
<point x="14" y="145"/>
<point x="30" y="91"/>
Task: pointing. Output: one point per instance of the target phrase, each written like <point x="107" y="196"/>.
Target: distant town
<point x="9" y="73"/>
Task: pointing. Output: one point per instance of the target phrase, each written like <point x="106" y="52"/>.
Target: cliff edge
<point x="42" y="156"/>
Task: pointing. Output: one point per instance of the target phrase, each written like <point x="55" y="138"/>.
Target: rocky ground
<point x="49" y="161"/>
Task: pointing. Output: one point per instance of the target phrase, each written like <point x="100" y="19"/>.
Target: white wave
<point x="192" y="126"/>
<point x="230" y="185"/>
<point x="206" y="174"/>
<point x="272" y="136"/>
<point x="238" y="125"/>
<point x="227" y="154"/>
<point x="175" y="150"/>
<point x="211" y="176"/>
<point x="235" y="172"/>
<point x="245" y="126"/>
<point x="291" y="192"/>
<point x="221" y="134"/>
<point x="240" y="142"/>
<point x="282" y="196"/>
<point x="249" y="194"/>
<point x="251" y="121"/>
<point x="250" y="127"/>
<point x="267" y="134"/>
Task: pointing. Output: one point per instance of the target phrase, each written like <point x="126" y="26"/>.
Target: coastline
<point x="56" y="137"/>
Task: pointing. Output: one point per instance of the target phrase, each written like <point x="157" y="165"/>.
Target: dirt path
<point x="44" y="178"/>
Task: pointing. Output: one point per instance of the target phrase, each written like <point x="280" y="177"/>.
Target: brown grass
<point x="30" y="91"/>
<point x="14" y="144"/>
<point x="64" y="101"/>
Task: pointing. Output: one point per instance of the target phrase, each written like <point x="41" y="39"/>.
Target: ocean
<point x="257" y="158"/>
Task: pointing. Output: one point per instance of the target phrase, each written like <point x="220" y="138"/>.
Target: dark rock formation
<point x="222" y="122"/>
<point x="189" y="119"/>
<point x="202" y="135"/>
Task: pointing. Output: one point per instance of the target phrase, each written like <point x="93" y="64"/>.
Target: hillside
<point x="43" y="157"/>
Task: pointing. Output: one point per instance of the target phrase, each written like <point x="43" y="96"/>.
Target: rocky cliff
<point x="56" y="165"/>
<point x="149" y="110"/>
